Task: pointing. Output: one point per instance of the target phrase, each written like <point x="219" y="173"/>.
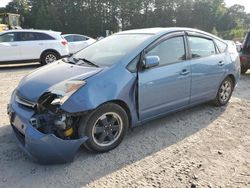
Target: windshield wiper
<point x="85" y="61"/>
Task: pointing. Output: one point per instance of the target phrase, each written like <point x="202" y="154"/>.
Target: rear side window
<point x="43" y="36"/>
<point x="79" y="38"/>
<point x="8" y="37"/>
<point x="69" y="38"/>
<point x="169" y="51"/>
<point x="26" y="36"/>
<point x="201" y="47"/>
<point x="221" y="45"/>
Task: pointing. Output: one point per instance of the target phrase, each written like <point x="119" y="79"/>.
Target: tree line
<point x="94" y="17"/>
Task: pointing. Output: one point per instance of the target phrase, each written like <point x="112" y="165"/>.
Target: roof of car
<point x="163" y="30"/>
<point x="30" y="30"/>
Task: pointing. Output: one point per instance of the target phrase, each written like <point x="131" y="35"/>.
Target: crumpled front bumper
<point x="42" y="148"/>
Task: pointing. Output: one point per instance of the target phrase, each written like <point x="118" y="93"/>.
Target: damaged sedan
<point x="94" y="96"/>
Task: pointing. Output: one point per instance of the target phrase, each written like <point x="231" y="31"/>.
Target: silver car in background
<point x="77" y="42"/>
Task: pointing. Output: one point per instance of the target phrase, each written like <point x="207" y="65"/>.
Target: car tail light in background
<point x="243" y="59"/>
<point x="64" y="42"/>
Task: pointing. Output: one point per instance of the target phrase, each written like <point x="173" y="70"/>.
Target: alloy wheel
<point x="107" y="129"/>
<point x="50" y="58"/>
<point x="225" y="91"/>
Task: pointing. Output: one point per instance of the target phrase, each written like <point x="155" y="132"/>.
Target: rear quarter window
<point x="43" y="36"/>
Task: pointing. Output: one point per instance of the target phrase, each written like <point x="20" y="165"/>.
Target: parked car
<point x="78" y="42"/>
<point x="32" y="45"/>
<point x="238" y="45"/>
<point x="245" y="54"/>
<point x="119" y="82"/>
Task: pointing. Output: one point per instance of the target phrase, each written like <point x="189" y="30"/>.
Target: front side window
<point x="8" y="37"/>
<point x="201" y="47"/>
<point x="170" y="51"/>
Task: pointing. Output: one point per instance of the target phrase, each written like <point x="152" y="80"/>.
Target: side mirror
<point x="151" y="61"/>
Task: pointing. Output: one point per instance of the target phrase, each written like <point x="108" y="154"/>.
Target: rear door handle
<point x="221" y="63"/>
<point x="14" y="45"/>
<point x="184" y="72"/>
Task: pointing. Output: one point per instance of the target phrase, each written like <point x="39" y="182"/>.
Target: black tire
<point x="223" y="98"/>
<point x="92" y="122"/>
<point x="243" y="70"/>
<point x="53" y="56"/>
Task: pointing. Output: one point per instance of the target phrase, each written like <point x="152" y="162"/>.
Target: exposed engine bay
<point x="50" y="119"/>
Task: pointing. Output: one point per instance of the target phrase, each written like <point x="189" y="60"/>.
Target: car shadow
<point x="18" y="67"/>
<point x="139" y="143"/>
<point x="243" y="88"/>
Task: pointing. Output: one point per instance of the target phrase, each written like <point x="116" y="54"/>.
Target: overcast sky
<point x="246" y="3"/>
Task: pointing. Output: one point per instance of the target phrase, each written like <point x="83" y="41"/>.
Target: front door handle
<point x="184" y="72"/>
<point x="221" y="63"/>
<point x="14" y="45"/>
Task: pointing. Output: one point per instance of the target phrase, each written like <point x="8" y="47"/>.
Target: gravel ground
<point x="200" y="147"/>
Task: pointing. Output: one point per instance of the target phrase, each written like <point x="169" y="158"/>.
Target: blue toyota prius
<point x="92" y="97"/>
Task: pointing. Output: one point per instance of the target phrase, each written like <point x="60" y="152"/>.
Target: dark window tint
<point x="26" y="36"/>
<point x="201" y="47"/>
<point x="79" y="38"/>
<point x="69" y="38"/>
<point x="169" y="51"/>
<point x="43" y="36"/>
<point x="221" y="45"/>
<point x="246" y="45"/>
<point x="8" y="37"/>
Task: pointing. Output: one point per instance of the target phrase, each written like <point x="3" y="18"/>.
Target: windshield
<point x="110" y="50"/>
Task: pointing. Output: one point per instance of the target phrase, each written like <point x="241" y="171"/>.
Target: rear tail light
<point x="243" y="58"/>
<point x="64" y="42"/>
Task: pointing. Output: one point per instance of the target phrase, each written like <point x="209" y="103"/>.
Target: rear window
<point x="221" y="45"/>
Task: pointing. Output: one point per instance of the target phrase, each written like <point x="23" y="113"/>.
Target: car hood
<point x="38" y="82"/>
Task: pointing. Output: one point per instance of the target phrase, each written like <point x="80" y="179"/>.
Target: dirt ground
<point x="200" y="147"/>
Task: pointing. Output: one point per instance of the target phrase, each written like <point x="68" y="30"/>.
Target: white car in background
<point x="20" y="46"/>
<point x="78" y="42"/>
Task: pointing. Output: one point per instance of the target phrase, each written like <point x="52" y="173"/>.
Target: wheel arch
<point x="124" y="106"/>
<point x="50" y="50"/>
<point x="233" y="78"/>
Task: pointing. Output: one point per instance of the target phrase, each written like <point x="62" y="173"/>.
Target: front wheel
<point x="105" y="127"/>
<point x="225" y="92"/>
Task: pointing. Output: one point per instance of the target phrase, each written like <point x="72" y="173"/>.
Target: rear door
<point x="30" y="47"/>
<point x="9" y="47"/>
<point x="208" y="67"/>
<point x="166" y="87"/>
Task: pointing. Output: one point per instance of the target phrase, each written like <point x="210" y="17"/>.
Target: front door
<point x="9" y="47"/>
<point x="166" y="87"/>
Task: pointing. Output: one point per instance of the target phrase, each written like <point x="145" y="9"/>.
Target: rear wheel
<point x="105" y="127"/>
<point x="225" y="92"/>
<point x="49" y="57"/>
